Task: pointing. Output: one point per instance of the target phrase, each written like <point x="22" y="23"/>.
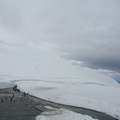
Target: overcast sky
<point x="86" y="32"/>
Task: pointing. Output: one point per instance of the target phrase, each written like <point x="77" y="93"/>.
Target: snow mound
<point x="62" y="114"/>
<point x="19" y="62"/>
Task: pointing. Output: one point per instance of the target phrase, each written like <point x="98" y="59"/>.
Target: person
<point x="24" y="94"/>
<point x="6" y="99"/>
<point x="13" y="95"/>
<point x="14" y="99"/>
<point x="27" y="95"/>
<point x="2" y="100"/>
<point x="21" y="96"/>
<point x="11" y="99"/>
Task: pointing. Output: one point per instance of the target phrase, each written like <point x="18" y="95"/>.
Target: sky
<point x="85" y="32"/>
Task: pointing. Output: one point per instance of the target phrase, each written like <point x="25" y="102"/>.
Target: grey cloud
<point x="98" y="58"/>
<point x="81" y="30"/>
<point x="10" y="16"/>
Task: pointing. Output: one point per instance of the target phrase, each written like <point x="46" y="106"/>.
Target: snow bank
<point x="62" y="114"/>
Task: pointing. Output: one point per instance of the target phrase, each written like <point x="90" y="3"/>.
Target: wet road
<point x="92" y="113"/>
<point x="16" y="110"/>
<point x="38" y="105"/>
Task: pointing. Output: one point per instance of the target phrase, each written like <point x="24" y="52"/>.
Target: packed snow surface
<point x="62" y="114"/>
<point x="47" y="75"/>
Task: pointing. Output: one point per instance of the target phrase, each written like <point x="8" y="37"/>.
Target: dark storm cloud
<point x="103" y="55"/>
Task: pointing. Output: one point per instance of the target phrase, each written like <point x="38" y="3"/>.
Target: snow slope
<point x="25" y="62"/>
<point x="47" y="75"/>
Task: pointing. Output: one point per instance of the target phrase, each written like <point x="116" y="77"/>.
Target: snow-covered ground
<point x="49" y="76"/>
<point x="62" y="114"/>
<point x="98" y="97"/>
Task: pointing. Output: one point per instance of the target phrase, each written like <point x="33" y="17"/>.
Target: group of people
<point x="24" y="95"/>
<point x="16" y="89"/>
<point x="6" y="99"/>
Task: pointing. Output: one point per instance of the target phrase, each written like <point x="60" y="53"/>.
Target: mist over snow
<point x="47" y="75"/>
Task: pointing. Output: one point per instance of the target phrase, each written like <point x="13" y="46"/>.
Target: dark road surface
<point x="18" y="109"/>
<point x="92" y="113"/>
<point x="27" y="108"/>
